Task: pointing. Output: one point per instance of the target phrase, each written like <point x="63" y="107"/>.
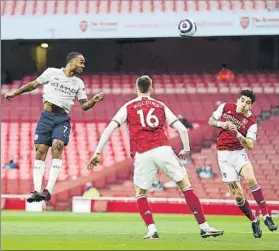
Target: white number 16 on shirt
<point x="151" y="119"/>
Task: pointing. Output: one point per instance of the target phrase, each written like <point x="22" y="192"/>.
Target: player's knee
<point x="239" y="196"/>
<point x="40" y="153"/>
<point x="248" y="174"/>
<point x="235" y="189"/>
<point x="251" y="181"/>
<point x="57" y="148"/>
<point x="184" y="183"/>
<point x="140" y="191"/>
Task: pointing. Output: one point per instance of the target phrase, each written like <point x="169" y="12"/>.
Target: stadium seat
<point x="33" y="7"/>
<point x="183" y="93"/>
<point x="180" y="92"/>
<point x="266" y="168"/>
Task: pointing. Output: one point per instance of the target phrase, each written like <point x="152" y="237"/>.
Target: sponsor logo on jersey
<point x="63" y="88"/>
<point x="234" y="120"/>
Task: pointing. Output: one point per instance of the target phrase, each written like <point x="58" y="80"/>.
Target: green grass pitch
<point x="109" y="231"/>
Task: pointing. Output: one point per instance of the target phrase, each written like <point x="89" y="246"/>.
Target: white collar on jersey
<point x="144" y="95"/>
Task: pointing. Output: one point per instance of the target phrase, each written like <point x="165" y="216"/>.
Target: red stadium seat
<point x="34" y="7"/>
<point x="18" y="129"/>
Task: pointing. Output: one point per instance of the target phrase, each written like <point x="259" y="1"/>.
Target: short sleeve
<point x="217" y="114"/>
<point x="170" y="117"/>
<point x="252" y="132"/>
<point x="81" y="93"/>
<point x="45" y="77"/>
<point x="121" y="116"/>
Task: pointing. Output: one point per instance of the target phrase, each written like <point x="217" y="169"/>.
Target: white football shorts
<point x="147" y="164"/>
<point x="231" y="163"/>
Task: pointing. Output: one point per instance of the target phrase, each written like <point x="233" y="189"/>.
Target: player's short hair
<point x="248" y="93"/>
<point x="144" y="82"/>
<point x="72" y="55"/>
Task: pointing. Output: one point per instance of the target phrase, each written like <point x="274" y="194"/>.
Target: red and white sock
<point x="145" y="212"/>
<point x="194" y="204"/>
<point x="246" y="210"/>
<point x="259" y="198"/>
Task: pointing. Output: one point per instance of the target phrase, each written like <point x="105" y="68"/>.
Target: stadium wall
<point x="129" y="205"/>
<point x="141" y="55"/>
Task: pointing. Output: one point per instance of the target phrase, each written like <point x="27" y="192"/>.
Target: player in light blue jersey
<point x="60" y="88"/>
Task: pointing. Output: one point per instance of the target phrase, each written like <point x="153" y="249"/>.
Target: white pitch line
<point x="125" y="233"/>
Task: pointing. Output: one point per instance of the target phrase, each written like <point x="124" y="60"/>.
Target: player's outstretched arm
<point x="175" y="123"/>
<point x="183" y="133"/>
<point x="95" y="160"/>
<point x="25" y="88"/>
<point x="119" y="118"/>
<point x="88" y="104"/>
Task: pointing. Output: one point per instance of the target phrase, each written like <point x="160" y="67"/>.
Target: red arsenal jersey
<point x="246" y="125"/>
<point x="146" y="118"/>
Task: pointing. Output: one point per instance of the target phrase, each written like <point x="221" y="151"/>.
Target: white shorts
<point x="147" y="164"/>
<point x="231" y="163"/>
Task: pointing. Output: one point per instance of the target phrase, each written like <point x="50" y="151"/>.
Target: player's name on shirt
<point x="146" y="102"/>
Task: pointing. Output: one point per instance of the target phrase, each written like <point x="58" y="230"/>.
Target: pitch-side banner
<point x="138" y="25"/>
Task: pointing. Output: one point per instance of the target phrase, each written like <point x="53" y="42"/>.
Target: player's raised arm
<point x="119" y="118"/>
<point x="175" y="123"/>
<point x="42" y="79"/>
<point x="88" y="104"/>
<point x="25" y="88"/>
<point x="214" y="119"/>
<point x="83" y="100"/>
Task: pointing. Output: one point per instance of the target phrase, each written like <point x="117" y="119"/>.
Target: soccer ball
<point x="187" y="27"/>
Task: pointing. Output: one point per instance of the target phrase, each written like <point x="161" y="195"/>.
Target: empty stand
<point x="264" y="158"/>
<point x="194" y="96"/>
<point x="17" y="143"/>
<point x="67" y="7"/>
<point x="195" y="107"/>
<point x="84" y="138"/>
